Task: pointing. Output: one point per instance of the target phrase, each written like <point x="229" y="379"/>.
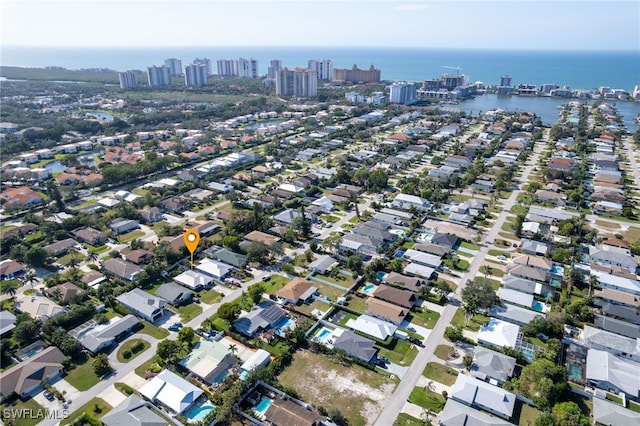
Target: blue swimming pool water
<point x="537" y="306"/>
<point x="368" y="288"/>
<point x="263" y="405"/>
<point x="398" y="232"/>
<point x="243" y="374"/>
<point x="528" y="353"/>
<point x="287" y="323"/>
<point x="381" y="275"/>
<point x="324" y="333"/>
<point x="199" y="413"/>
<point x="399" y="254"/>
<point x="575" y="372"/>
<point x="557" y="270"/>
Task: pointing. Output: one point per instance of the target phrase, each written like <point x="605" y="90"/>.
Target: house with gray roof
<point x="617" y="326"/>
<point x="122" y="269"/>
<point x="606" y="413"/>
<point x="514" y="314"/>
<point x="519" y="284"/>
<point x="322" y="264"/>
<point x="613" y="256"/>
<point x="533" y="247"/>
<point x="174" y="294"/>
<point x="621" y="346"/>
<point x="121" y="226"/>
<point x="434" y="249"/>
<point x="60" y="247"/>
<point x="143" y="304"/>
<point x="27" y="377"/>
<point x="356" y="346"/>
<point x="134" y="411"/>
<point x="105" y="335"/>
<point x="261" y="317"/>
<point x="422" y="258"/>
<point x="458" y="414"/>
<point x="607" y="372"/>
<point x="491" y="365"/>
<point x="230" y="257"/>
<point x="376" y="231"/>
<point x="445" y="240"/>
<point x="7" y="322"/>
<point x="478" y="394"/>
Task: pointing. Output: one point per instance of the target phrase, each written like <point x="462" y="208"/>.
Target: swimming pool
<point x="399" y="254"/>
<point x="557" y="270"/>
<point x="243" y="374"/>
<point x="199" y="413"/>
<point x="324" y="334"/>
<point x="285" y="323"/>
<point x="381" y="275"/>
<point x="263" y="405"/>
<point x="425" y="236"/>
<point x="528" y="353"/>
<point x="368" y="288"/>
<point x="398" y="232"/>
<point x="575" y="372"/>
<point x="538" y="306"/>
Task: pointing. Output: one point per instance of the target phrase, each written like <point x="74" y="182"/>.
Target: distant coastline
<point x="576" y="69"/>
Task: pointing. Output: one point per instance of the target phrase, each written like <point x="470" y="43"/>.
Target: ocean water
<point x="577" y="69"/>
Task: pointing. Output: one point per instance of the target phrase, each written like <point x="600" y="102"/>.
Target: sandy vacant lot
<point x="358" y="393"/>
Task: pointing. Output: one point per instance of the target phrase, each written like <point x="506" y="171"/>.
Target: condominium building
<point x="206" y="62"/>
<point x="274" y="65"/>
<point x="247" y="68"/>
<point x="505" y="81"/>
<point x="195" y="75"/>
<point x="174" y="65"/>
<point x="128" y="79"/>
<point x="227" y="67"/>
<point x="356" y="75"/>
<point x="158" y="76"/>
<point x="324" y="68"/>
<point x="403" y="93"/>
<point x="302" y="82"/>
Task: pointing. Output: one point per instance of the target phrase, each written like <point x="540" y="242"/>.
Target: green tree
<point x="186" y="335"/>
<point x="255" y="292"/>
<point x="229" y="312"/>
<point x="354" y="262"/>
<point x="101" y="364"/>
<point x="543" y="381"/>
<point x="569" y="414"/>
<point x="36" y="256"/>
<point x="26" y="331"/>
<point x="479" y="294"/>
<point x="168" y="350"/>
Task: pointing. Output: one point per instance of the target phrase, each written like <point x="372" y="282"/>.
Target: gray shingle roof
<point x="355" y="345"/>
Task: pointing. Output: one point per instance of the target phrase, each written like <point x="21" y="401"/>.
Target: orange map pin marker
<point x="191" y="239"/>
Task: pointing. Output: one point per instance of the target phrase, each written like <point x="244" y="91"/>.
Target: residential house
<point x="491" y="365"/>
<point x="422" y="258"/>
<point x="285" y="411"/>
<point x="298" y="290"/>
<point x="533" y="247"/>
<point x="106" y="335"/>
<point x="28" y="376"/>
<point x="606" y="413"/>
<point x="90" y="236"/>
<point x="10" y="269"/>
<point x="459" y="161"/>
<point x="64" y="293"/>
<point x="410" y="283"/>
<point x="208" y="228"/>
<point x="375" y="231"/>
<point x="419" y="270"/>
<point x="193" y="279"/>
<point x="7" y="322"/>
<point x="387" y="311"/>
<point x="357" y="244"/>
<point x="230" y="257"/>
<point x="356" y="346"/>
<point x="20" y="196"/>
<point x="143" y="304"/>
<point x="482" y="186"/>
<point x="152" y="214"/>
<point x="191" y="175"/>
<point x="322" y="264"/>
<point x="38" y="306"/>
<point x="514" y="314"/>
<point x="122" y="226"/>
<point x="406" y="202"/>
<point x="287" y="216"/>
<point x="134" y="411"/>
<point x="623" y="328"/>
<point x="173" y="204"/>
<point x="122" y="269"/>
<point x="261" y="237"/>
<point x="561" y="164"/>
<point x="457" y="414"/>
<point x="613" y="256"/>
<point x="620" y="346"/>
<point x="261" y="317"/>
<point x="214" y="269"/>
<point x="554" y="198"/>
<point x="610" y="373"/>
<point x="139" y="256"/>
<point x="399" y="297"/>
<point x="174" y="294"/>
<point x="498" y="334"/>
<point x="171" y="391"/>
<point x="210" y="361"/>
<point x="372" y="326"/>
<point x="92" y="278"/>
<point x="445" y="240"/>
<point x="618" y="304"/>
<point x="478" y="394"/>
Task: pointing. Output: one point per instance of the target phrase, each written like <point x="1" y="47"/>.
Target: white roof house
<point x="614" y="343"/>
<point x="193" y="279"/>
<point x="611" y="373"/>
<point x="499" y="334"/>
<point x="213" y="268"/>
<point x="615" y="282"/>
<point x="419" y="270"/>
<point x="375" y="327"/>
<point x="259" y="357"/>
<point x="324" y="203"/>
<point x="423" y="258"/>
<point x="476" y="393"/>
<point x="515" y="296"/>
<point x="405" y="202"/>
<point x="172" y="391"/>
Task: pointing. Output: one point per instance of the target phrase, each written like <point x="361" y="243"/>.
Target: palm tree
<point x="469" y="312"/>
<point x="30" y="277"/>
<point x="92" y="256"/>
<point x="9" y="289"/>
<point x="233" y="348"/>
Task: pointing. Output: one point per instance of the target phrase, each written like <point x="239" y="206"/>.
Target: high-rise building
<point x="195" y="75"/>
<point x="372" y="75"/>
<point x="206" y="62"/>
<point x="227" y="67"/>
<point x="158" y="76"/>
<point x="128" y="79"/>
<point x="324" y="68"/>
<point x="247" y="68"/>
<point x="274" y="65"/>
<point x="505" y="81"/>
<point x="403" y="93"/>
<point x="174" y="65"/>
<point x="301" y="82"/>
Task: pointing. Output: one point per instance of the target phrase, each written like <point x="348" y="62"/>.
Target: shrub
<point x="126" y="354"/>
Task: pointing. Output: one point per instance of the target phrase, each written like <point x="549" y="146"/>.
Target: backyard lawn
<point x="357" y="302"/>
<point x="327" y="290"/>
<point x="526" y="415"/>
<point x="440" y="373"/>
<point x="130" y="236"/>
<point x="476" y="322"/>
<point x="83" y="377"/>
<point x="96" y="408"/>
<point x="18" y="404"/>
<point x="358" y="393"/>
<point x="342" y="280"/>
<point x="427" y="399"/>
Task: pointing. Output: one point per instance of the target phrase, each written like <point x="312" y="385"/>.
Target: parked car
<point x="175" y="326"/>
<point x="48" y="395"/>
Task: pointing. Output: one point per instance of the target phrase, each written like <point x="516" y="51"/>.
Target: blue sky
<point x="505" y="24"/>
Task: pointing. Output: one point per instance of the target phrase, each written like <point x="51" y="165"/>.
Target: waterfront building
<point x="174" y="65"/>
<point x="527" y="90"/>
<point x="195" y="75"/>
<point x="324" y="68"/>
<point x="158" y="76"/>
<point x="247" y="68"/>
<point x="547" y="88"/>
<point x="505" y="81"/>
<point x="128" y="79"/>
<point x="274" y="65"/>
<point x="227" y="67"/>
<point x="206" y="62"/>
<point x="357" y="75"/>
<point x="302" y="82"/>
<point x="403" y="93"/>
